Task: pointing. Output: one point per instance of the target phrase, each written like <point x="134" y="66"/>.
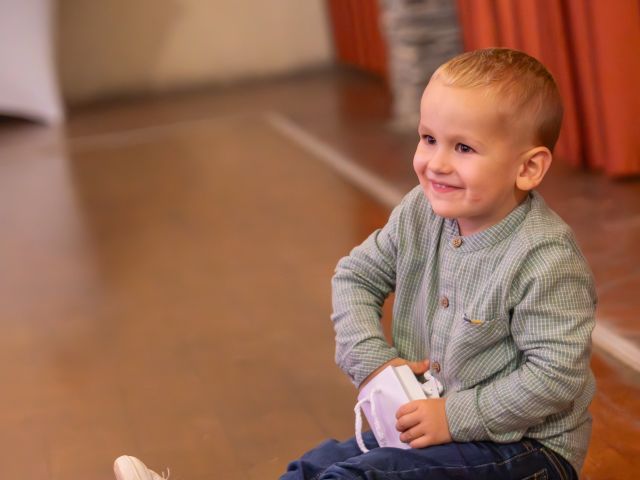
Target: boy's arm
<point x="552" y="326"/>
<point x="362" y="282"/>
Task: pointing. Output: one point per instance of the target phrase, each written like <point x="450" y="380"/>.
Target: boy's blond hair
<point x="522" y="87"/>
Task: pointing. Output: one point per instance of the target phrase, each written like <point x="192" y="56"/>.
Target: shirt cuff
<point x="372" y="363"/>
<point x="463" y="417"/>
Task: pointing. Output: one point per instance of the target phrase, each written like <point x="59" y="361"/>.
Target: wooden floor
<point x="165" y="285"/>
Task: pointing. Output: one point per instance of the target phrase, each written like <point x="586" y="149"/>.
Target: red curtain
<point x="356" y="34"/>
<point x="593" y="50"/>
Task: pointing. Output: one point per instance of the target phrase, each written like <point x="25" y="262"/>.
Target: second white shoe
<point x="131" y="468"/>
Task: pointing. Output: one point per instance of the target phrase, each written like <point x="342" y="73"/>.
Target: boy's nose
<point x="439" y="162"/>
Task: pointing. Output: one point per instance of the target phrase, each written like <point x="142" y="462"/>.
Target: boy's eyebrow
<point x="462" y="138"/>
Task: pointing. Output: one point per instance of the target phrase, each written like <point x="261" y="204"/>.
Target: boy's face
<point x="467" y="160"/>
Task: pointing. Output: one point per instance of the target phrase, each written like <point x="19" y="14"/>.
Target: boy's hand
<point x="417" y="368"/>
<point x="423" y="423"/>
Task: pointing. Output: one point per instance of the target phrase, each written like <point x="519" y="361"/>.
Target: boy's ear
<point x="534" y="166"/>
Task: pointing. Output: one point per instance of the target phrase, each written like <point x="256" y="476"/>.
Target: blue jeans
<point x="524" y="460"/>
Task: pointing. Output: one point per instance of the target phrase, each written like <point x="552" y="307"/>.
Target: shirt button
<point x="456" y="242"/>
<point x="435" y="366"/>
<point x="444" y="301"/>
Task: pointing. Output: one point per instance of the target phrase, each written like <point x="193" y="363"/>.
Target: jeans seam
<point x="539" y="475"/>
<point x="528" y="445"/>
<point x="510" y="459"/>
<point x="452" y="467"/>
<point x="555" y="462"/>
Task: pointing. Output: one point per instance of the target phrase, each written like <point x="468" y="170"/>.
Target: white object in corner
<point x="28" y="82"/>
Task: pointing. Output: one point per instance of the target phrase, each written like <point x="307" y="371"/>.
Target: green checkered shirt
<point x="506" y="314"/>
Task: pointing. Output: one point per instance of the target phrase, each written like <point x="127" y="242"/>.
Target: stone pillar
<point x="420" y="36"/>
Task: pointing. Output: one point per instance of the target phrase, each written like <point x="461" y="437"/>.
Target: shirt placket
<point x="446" y="308"/>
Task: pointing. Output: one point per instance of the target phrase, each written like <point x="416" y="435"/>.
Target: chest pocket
<point x="479" y="346"/>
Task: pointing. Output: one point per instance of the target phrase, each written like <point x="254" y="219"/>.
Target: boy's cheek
<point x="416" y="167"/>
<point x="419" y="161"/>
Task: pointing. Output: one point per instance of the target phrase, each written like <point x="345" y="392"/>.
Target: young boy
<point x="492" y="294"/>
<point x="489" y="285"/>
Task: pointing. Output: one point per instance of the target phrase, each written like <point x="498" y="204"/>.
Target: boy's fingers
<point x="411" y="435"/>
<point x="407" y="422"/>
<point x="407" y="408"/>
<point x="419" y="367"/>
<point x="420" y="442"/>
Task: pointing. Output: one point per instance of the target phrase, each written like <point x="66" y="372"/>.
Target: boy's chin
<point x="443" y="211"/>
<point x="442" y="208"/>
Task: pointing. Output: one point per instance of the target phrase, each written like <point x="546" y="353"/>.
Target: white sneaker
<point x="130" y="468"/>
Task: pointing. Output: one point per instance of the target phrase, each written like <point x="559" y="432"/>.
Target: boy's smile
<point x="467" y="160"/>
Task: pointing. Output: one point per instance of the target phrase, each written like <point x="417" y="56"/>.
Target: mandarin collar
<point x="491" y="235"/>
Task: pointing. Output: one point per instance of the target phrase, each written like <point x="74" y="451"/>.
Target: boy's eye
<point x="462" y="148"/>
<point x="429" y="139"/>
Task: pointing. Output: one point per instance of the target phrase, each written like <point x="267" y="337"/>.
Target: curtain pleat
<point x="356" y="34"/>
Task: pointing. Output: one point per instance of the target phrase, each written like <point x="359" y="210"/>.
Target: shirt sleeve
<point x="362" y="282"/>
<point x="551" y="325"/>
